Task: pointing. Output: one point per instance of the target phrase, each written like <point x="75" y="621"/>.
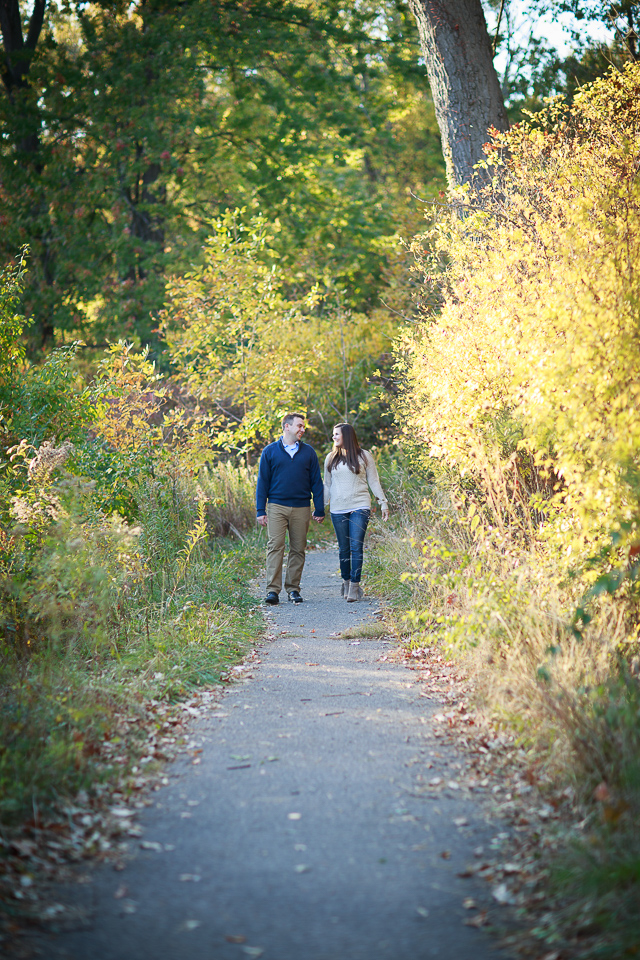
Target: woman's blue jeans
<point x="350" y="529"/>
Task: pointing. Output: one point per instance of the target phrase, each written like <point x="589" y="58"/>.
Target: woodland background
<point x="209" y="216"/>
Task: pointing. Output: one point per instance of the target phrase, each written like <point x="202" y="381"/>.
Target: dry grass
<point x="366" y="631"/>
<point x="230" y="492"/>
<point x="489" y="600"/>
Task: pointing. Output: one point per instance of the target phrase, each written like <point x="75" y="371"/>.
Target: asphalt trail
<point x="306" y="832"/>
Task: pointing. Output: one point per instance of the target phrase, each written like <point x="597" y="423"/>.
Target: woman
<point x="347" y="471"/>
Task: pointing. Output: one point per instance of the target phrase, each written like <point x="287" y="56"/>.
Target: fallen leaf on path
<point x="460" y="821"/>
<point x="469" y="903"/>
<point x="445" y="854"/>
<point x="121" y="892"/>
<point x="479" y="920"/>
<point x="190" y="877"/>
<point x="151" y="845"/>
<point x="121" y="812"/>
<point x="253" y="951"/>
<point x="54" y="910"/>
<point x="24" y="848"/>
<point x="294" y="816"/>
<point x="301" y="868"/>
<point x="235" y="939"/>
<point x="190" y="924"/>
<point x="501" y="894"/>
<point x="129" y="906"/>
<point x="422" y="911"/>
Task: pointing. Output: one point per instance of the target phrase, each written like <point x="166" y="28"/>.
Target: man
<point x="288" y="475"/>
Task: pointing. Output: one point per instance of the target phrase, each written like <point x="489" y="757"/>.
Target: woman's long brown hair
<point x="350" y="452"/>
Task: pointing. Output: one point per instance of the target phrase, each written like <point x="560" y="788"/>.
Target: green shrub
<point x="117" y="586"/>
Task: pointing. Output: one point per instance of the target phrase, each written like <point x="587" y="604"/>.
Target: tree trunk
<point x="464" y="84"/>
<point x="25" y="133"/>
<point x="18" y="53"/>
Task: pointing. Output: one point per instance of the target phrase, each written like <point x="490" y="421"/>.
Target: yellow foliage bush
<point x="535" y="349"/>
<point x="250" y="353"/>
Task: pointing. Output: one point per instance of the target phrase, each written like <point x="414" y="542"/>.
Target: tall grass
<point x="490" y="595"/>
<point x="231" y="502"/>
<point x="113" y="617"/>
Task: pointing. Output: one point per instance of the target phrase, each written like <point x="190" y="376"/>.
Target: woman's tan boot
<point x="355" y="592"/>
<point x="344" y="589"/>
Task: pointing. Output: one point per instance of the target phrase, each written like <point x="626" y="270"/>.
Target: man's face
<point x="293" y="431"/>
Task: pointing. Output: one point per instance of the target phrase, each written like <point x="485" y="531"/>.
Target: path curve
<point x="306" y="831"/>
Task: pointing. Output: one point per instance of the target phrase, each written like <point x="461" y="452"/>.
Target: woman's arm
<point x="376" y="487"/>
<point x="327" y="480"/>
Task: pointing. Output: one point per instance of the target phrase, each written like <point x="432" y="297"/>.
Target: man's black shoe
<point x="294" y="597"/>
<point x="272" y="598"/>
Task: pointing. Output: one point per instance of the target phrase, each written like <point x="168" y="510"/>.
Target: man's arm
<point x="262" y="487"/>
<point x="317" y="488"/>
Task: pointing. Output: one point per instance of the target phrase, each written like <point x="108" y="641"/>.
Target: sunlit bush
<point x="535" y="349"/>
<point x="251" y="353"/>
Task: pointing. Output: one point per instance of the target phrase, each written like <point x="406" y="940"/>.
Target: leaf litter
<point x="496" y="772"/>
<point x="98" y="823"/>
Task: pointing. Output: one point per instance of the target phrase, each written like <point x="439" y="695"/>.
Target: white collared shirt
<point x="291" y="448"/>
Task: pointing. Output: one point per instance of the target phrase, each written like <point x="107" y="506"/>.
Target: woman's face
<point x="337" y="436"/>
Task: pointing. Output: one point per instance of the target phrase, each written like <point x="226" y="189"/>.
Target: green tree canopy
<point x="136" y="124"/>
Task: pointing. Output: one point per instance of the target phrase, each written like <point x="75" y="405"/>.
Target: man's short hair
<point x="290" y="417"/>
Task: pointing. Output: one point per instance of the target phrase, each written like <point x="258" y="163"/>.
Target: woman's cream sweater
<point x="348" y="490"/>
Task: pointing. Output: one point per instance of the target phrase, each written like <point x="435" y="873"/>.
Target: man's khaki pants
<point x="280" y="519"/>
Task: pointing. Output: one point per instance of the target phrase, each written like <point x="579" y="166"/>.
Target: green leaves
<point x="153" y="118"/>
<point x="250" y="353"/>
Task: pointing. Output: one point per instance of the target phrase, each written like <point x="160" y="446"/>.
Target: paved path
<point x="307" y="821"/>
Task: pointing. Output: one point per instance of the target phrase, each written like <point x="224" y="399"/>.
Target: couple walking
<point x="288" y="476"/>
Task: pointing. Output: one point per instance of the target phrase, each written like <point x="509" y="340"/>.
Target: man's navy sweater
<point x="289" y="481"/>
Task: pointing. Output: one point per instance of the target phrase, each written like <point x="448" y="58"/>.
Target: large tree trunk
<point x="464" y="83"/>
<point x="26" y="126"/>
